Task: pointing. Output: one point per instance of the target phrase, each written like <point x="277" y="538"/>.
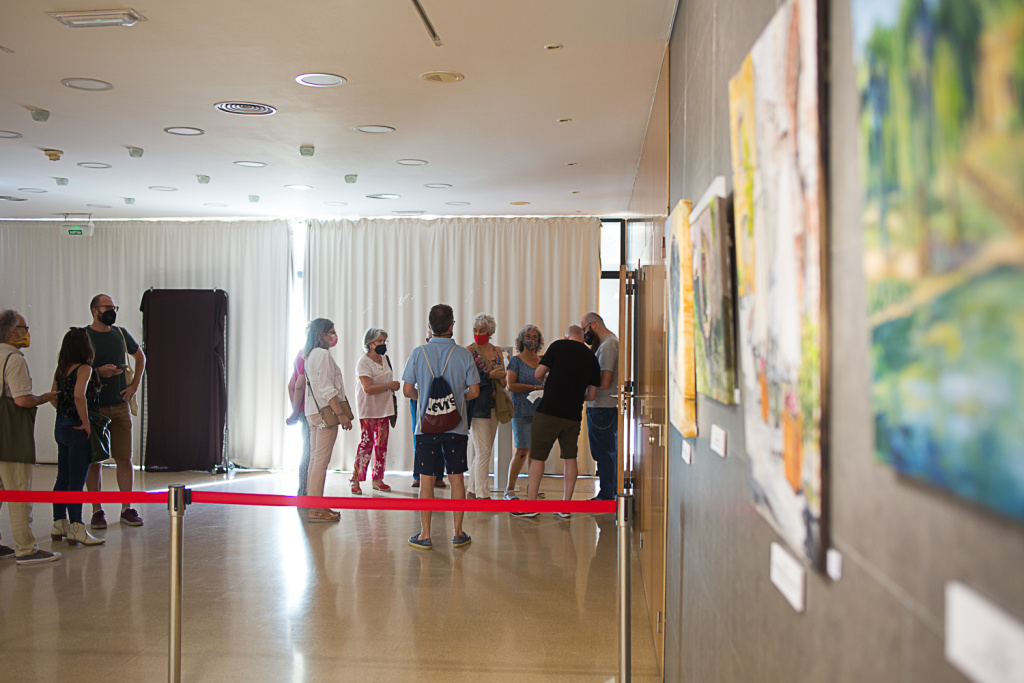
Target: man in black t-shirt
<point x="113" y="345"/>
<point x="571" y="375"/>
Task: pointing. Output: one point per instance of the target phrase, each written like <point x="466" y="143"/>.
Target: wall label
<point x="718" y="440"/>
<point x="789" y="575"/>
<point x="687" y="452"/>
<point x="982" y="640"/>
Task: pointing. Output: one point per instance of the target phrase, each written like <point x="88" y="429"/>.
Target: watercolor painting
<point x="682" y="385"/>
<point x="941" y="126"/>
<point x="714" y="340"/>
<point x="778" y="210"/>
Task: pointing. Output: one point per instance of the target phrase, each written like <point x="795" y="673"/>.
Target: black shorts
<point x="435" y="451"/>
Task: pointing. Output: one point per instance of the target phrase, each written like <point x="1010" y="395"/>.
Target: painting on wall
<point x="711" y="259"/>
<point x="682" y="398"/>
<point x="778" y="209"/>
<point x="941" y="126"/>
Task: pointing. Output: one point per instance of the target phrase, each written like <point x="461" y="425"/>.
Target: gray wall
<point x="901" y="541"/>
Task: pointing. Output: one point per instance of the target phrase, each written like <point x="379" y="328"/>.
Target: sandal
<point x="380" y="486"/>
<point x="323" y="516"/>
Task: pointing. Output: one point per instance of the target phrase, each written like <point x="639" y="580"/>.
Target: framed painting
<point x="682" y="398"/>
<point x="941" y="128"/>
<point x="775" y="131"/>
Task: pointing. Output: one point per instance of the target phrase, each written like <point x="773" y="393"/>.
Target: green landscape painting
<point x="941" y="121"/>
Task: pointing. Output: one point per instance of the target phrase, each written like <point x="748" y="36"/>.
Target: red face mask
<point x="481" y="339"/>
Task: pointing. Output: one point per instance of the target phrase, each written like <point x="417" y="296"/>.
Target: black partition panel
<point x="184" y="332"/>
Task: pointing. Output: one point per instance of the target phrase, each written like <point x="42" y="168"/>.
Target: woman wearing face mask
<point x="325" y="386"/>
<point x="491" y="365"/>
<point x="521" y="381"/>
<point x="376" y="404"/>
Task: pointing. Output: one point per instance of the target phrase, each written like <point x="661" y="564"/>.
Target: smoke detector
<point x="53" y="154"/>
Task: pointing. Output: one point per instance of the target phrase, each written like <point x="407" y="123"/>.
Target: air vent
<point x="245" y="108"/>
<point x="442" y="76"/>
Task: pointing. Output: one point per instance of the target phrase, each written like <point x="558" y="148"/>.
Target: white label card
<point x="687" y="452"/>
<point x="982" y="640"/>
<point x="718" y="440"/>
<point x="834" y="564"/>
<point x="789" y="575"/>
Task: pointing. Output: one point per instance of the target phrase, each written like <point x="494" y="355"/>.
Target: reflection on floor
<point x="268" y="597"/>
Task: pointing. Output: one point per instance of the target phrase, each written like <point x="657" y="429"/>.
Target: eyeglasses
<point x="25" y="327"/>
<point x="115" y="309"/>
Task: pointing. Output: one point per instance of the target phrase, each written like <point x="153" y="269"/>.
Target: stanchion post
<point x="178" y="497"/>
<point x="624" y="505"/>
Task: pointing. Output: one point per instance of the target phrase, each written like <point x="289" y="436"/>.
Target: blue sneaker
<point x="461" y="541"/>
<point x="420" y="543"/>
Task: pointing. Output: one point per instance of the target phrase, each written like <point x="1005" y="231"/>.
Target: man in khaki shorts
<point x="571" y="375"/>
<point x="113" y="345"/>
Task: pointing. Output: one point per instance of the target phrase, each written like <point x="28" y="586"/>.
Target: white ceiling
<point x="494" y="136"/>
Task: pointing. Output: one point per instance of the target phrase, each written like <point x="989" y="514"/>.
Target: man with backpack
<point x="441" y="376"/>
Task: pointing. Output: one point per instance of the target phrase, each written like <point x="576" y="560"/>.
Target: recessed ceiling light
<point x="98" y="18"/>
<point x="245" y="108"/>
<point x="564" y="120"/>
<point x="299" y="187"/>
<point x="9" y="198"/>
<point x="319" y="80"/>
<point x="184" y="130"/>
<point x="412" y="162"/>
<point x="457" y="203"/>
<point x="93" y="164"/>
<point x="217" y="204"/>
<point x="250" y="164"/>
<point x="99" y="206"/>
<point x="86" y="84"/>
<point x="9" y="134"/>
<point x="375" y="129"/>
<point x="554" y="46"/>
<point x="31" y="190"/>
<point x="437" y="186"/>
<point x="335" y="204"/>
<point x="163" y="188"/>
<point x="383" y="196"/>
<point x="519" y="203"/>
<point x="408" y="213"/>
<point x="442" y="76"/>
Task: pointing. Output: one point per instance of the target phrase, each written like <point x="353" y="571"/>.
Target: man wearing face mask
<point x="602" y="416"/>
<point x="113" y="345"/>
<point x="17" y="444"/>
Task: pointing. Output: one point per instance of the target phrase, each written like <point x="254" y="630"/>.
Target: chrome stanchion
<point x="624" y="504"/>
<point x="178" y="497"/>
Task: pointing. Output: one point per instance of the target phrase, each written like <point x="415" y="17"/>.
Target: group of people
<point x="547" y="387"/>
<point x="93" y="375"/>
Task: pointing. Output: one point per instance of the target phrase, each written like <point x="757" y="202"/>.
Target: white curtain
<point x="387" y="273"/>
<point x="50" y="279"/>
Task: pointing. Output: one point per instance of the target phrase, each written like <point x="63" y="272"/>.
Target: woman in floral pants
<point x="375" y="401"/>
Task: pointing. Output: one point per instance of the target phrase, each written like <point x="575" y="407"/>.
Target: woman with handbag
<point x="77" y="391"/>
<point x="377" y="405"/>
<point x="326" y="408"/>
<point x="490" y="363"/>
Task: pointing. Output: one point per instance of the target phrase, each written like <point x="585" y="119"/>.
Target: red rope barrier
<point x="344" y="503"/>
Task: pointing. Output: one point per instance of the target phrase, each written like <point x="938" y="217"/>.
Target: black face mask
<point x="589" y="338"/>
<point x="108" y="317"/>
<point x="380" y="349"/>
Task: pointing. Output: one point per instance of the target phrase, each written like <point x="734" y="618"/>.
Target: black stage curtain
<point x="186" y="403"/>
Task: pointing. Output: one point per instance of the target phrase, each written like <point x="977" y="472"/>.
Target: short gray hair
<point x="372" y="334"/>
<point x="8" y="321"/>
<point x="485" y="319"/>
<point x="521" y="337"/>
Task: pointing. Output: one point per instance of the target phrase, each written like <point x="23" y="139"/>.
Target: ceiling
<point x="494" y="136"/>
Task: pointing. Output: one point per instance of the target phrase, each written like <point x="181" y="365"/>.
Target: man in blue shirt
<point x="440" y="357"/>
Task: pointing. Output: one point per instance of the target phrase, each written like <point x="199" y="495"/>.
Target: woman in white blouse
<point x="325" y="387"/>
<point x="376" y="404"/>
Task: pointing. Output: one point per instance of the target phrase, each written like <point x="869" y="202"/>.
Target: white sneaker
<point x="510" y="495"/>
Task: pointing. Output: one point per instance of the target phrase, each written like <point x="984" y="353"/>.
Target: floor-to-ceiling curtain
<point x="50" y="279"/>
<point x="388" y="273"/>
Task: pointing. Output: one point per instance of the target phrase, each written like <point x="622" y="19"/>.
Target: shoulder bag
<point x="328" y="418"/>
<point x="99" y="436"/>
<point x="394" y="399"/>
<point x="17" y="426"/>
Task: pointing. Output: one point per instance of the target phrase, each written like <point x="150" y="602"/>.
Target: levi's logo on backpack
<point x="442" y="409"/>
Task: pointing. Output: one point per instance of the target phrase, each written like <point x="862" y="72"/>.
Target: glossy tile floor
<point x="268" y="597"/>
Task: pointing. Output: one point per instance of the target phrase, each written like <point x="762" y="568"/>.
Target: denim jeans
<point x="603" y="430"/>
<point x="72" y="466"/>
